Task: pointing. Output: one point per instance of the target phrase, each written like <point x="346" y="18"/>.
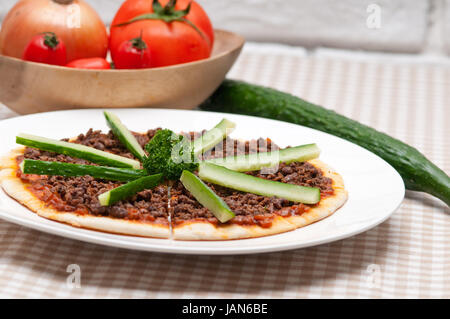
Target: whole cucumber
<point x="418" y="173"/>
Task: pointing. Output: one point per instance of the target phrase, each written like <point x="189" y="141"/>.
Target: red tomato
<point x="187" y="37"/>
<point x="46" y="48"/>
<point x="133" y="54"/>
<point x="74" y="21"/>
<point x="90" y="63"/>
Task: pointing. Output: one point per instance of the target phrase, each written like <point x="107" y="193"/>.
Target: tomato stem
<point x="138" y="43"/>
<point x="50" y="40"/>
<point x="63" y="1"/>
<point x="167" y="14"/>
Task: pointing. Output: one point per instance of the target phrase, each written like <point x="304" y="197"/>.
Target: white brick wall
<point x="405" y="24"/>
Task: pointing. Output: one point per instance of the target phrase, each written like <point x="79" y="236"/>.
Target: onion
<point x="73" y="21"/>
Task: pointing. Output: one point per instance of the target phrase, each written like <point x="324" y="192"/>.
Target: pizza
<point x="73" y="200"/>
<point x="169" y="210"/>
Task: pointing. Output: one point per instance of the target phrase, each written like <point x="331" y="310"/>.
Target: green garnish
<point x="206" y="197"/>
<point x="246" y="183"/>
<point x="124" y="135"/>
<point x="169" y="154"/>
<point x="76" y="150"/>
<point x="29" y="166"/>
<point x="127" y="190"/>
<point x="257" y="161"/>
<point x="213" y="137"/>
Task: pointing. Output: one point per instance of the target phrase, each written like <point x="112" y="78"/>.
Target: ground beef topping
<point x="232" y="147"/>
<point x="96" y="139"/>
<point x="302" y="174"/>
<point x="80" y="194"/>
<point x="250" y="209"/>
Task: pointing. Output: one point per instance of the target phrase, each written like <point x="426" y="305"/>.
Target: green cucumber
<point x="127" y="190"/>
<point x="76" y="150"/>
<point x="257" y="161"/>
<point x="205" y="196"/>
<point x="418" y="173"/>
<point x="69" y="170"/>
<point x="246" y="183"/>
<point x="213" y="137"/>
<point x="124" y="135"/>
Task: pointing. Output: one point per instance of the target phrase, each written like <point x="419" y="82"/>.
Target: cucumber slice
<point x="69" y="170"/>
<point x="206" y="197"/>
<point x="76" y="150"/>
<point x="213" y="137"/>
<point x="123" y="192"/>
<point x="124" y="135"/>
<point x="257" y="161"/>
<point x="246" y="183"/>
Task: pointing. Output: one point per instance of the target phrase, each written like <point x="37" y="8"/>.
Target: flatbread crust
<point x="328" y="205"/>
<point x="9" y="160"/>
<point x="192" y="230"/>
<point x="17" y="189"/>
<point x="202" y="230"/>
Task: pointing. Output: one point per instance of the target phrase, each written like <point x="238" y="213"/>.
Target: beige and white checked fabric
<point x="406" y="256"/>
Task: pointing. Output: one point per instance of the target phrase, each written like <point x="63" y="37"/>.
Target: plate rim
<point x="86" y="235"/>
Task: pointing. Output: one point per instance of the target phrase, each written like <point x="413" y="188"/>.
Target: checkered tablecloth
<point x="406" y="256"/>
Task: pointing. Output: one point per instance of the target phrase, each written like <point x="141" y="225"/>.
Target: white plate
<point x="375" y="188"/>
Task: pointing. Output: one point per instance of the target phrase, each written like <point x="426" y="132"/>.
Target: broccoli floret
<point x="169" y="154"/>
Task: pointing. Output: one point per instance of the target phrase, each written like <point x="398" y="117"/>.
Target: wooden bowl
<point x="28" y="87"/>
